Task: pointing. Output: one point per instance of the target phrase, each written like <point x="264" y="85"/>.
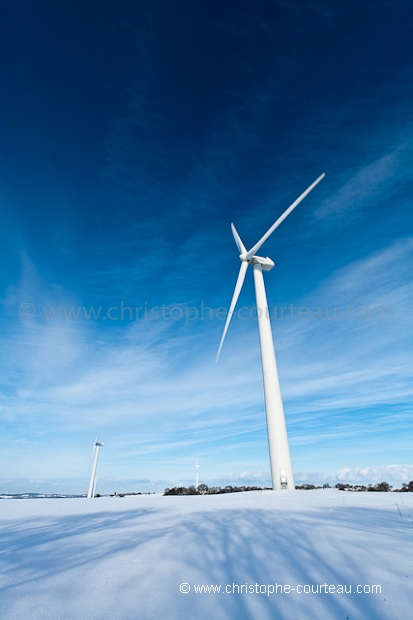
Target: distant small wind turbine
<point x="92" y="485"/>
<point x="196" y="476"/>
<point x="280" y="460"/>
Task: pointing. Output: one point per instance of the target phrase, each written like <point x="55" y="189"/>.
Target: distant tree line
<point x="310" y="487"/>
<point x="204" y="489"/>
<point x="125" y="494"/>
<point x="383" y="487"/>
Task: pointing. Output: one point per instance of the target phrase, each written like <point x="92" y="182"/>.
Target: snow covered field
<point x="125" y="558"/>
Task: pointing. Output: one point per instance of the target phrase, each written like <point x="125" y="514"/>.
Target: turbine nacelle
<point x="266" y="263"/>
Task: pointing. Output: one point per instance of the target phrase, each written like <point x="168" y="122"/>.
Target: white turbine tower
<point x="280" y="460"/>
<point x="92" y="484"/>
<point x="196" y="475"/>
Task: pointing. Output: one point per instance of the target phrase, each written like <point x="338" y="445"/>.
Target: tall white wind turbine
<point x="92" y="485"/>
<point x="280" y="460"/>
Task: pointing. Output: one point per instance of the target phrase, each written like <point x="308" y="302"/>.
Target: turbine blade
<point x="282" y="217"/>
<point x="238" y="287"/>
<point x="238" y="240"/>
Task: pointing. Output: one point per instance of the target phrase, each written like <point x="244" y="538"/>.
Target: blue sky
<point x="132" y="135"/>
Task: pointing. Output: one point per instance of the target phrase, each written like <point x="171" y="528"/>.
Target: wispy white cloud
<point x="388" y="473"/>
<point x="367" y="186"/>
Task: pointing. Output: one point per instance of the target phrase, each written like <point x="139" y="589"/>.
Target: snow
<point x="125" y="558"/>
